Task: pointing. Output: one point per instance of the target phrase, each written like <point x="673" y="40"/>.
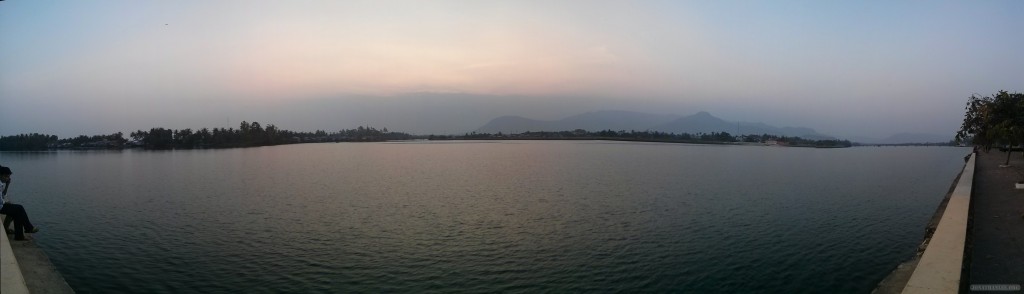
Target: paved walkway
<point x="997" y="251"/>
<point x="40" y="275"/>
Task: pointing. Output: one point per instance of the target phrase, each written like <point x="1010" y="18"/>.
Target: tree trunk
<point x="1008" y="157"/>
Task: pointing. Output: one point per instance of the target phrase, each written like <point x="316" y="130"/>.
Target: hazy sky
<point x="845" y="68"/>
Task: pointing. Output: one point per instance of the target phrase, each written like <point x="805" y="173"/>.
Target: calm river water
<point x="518" y="216"/>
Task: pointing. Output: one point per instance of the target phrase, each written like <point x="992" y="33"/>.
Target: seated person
<point x="14" y="212"/>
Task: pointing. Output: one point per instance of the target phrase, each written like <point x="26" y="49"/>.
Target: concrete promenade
<point x="897" y="279"/>
<point x="11" y="279"/>
<point x="997" y="236"/>
<point x="939" y="270"/>
<point x="25" y="268"/>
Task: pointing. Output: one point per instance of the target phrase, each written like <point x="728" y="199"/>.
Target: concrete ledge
<point x="41" y="276"/>
<point x="941" y="264"/>
<point x="11" y="280"/>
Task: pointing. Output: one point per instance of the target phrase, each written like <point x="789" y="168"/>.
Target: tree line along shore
<point x="247" y="135"/>
<point x="655" y="136"/>
<point x="253" y="135"/>
<point x="996" y="120"/>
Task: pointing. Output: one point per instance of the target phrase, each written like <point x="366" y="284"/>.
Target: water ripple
<point x="523" y="218"/>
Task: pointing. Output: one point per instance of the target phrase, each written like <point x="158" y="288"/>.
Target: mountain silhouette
<point x="906" y="138"/>
<point x="701" y="122"/>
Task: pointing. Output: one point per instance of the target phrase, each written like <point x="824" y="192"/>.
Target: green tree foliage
<point x="32" y="141"/>
<point x="254" y="134"/>
<point x="996" y="120"/>
<point x="247" y="135"/>
<point x="158" y="138"/>
<point x="112" y="141"/>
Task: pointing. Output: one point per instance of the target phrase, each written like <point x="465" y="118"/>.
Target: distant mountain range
<point x="701" y="122"/>
<point x="906" y="138"/>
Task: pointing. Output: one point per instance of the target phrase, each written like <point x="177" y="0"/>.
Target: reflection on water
<point x="515" y="216"/>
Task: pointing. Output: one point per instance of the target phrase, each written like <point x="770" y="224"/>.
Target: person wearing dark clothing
<point x="14" y="212"/>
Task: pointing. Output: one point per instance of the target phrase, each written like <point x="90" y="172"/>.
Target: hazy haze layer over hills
<point x="701" y="122"/>
<point x="591" y="121"/>
<point x="903" y="138"/>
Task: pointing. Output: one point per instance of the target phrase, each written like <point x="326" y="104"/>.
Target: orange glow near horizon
<point x="289" y="65"/>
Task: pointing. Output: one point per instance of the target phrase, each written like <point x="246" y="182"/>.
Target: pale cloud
<point x="600" y="55"/>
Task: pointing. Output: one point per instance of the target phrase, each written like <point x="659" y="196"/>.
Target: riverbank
<point x="27" y="269"/>
<point x="897" y="279"/>
<point x="992" y="247"/>
<point x="646" y="140"/>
